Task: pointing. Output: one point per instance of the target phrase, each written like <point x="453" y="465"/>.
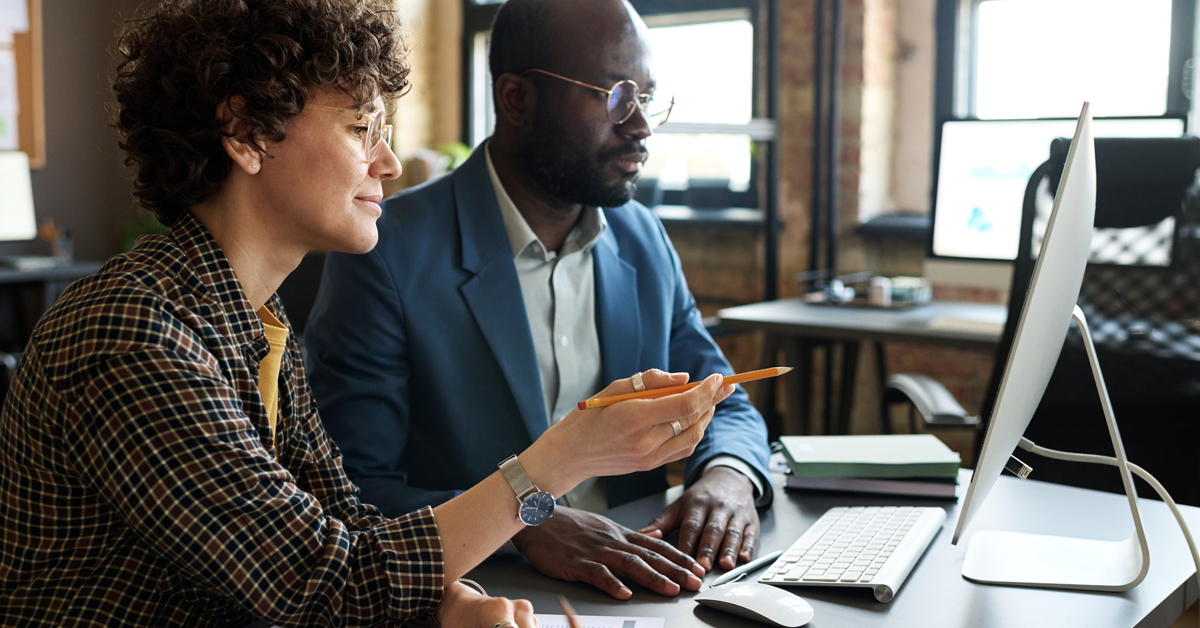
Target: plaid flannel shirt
<point x="138" y="481"/>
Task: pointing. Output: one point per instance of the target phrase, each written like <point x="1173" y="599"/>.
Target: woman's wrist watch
<point x="535" y="505"/>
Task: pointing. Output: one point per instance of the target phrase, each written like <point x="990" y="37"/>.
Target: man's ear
<point x="235" y="136"/>
<point x="516" y="99"/>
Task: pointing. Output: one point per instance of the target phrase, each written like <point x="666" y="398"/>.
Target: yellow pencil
<point x="675" y="390"/>
<point x="569" y="611"/>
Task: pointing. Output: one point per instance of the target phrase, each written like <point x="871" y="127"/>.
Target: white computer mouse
<point x="760" y="602"/>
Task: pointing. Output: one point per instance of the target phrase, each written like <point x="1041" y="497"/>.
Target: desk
<point x="935" y="594"/>
<point x="794" y="325"/>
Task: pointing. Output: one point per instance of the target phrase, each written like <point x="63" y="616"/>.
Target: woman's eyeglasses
<point x="623" y="98"/>
<point x="375" y="135"/>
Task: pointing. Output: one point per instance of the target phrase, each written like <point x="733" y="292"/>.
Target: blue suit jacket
<point x="423" y="363"/>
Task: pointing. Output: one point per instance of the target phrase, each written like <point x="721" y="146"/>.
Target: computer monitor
<point x="17" y="221"/>
<point x="1001" y="557"/>
<point x="983" y="167"/>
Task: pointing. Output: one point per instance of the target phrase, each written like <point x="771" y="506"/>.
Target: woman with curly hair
<point x="162" y="461"/>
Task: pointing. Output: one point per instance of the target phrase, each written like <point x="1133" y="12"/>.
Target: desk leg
<point x="798" y="353"/>
<point x="849" y="379"/>
<point x="827" y="391"/>
<point x="764" y="395"/>
<point x="885" y="417"/>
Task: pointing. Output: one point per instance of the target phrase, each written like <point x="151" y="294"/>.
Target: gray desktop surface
<point x="795" y="317"/>
<point x="935" y="594"/>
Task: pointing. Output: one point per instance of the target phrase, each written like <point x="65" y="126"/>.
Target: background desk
<point x="798" y="328"/>
<point x="935" y="594"/>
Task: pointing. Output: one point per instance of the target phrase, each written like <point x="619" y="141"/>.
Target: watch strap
<point x="516" y="477"/>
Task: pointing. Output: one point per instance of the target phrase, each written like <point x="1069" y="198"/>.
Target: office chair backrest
<point x="1142" y="285"/>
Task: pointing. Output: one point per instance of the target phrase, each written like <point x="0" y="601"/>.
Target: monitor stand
<point x="1035" y="560"/>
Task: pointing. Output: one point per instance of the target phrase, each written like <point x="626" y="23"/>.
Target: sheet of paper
<point x="601" y="621"/>
<point x="14" y="16"/>
<point x="8" y="100"/>
<point x="8" y="80"/>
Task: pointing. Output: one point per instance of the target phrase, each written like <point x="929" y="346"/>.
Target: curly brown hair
<point x="184" y="58"/>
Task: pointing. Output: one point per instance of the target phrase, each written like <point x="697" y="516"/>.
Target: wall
<point x="84" y="186"/>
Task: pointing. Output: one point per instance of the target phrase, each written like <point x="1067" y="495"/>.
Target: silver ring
<point x="504" y="624"/>
<point x="638" y="384"/>
<point x="677" y="426"/>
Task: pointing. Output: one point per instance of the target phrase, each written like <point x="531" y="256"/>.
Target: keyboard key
<point x="851" y="576"/>
<point x="821" y="578"/>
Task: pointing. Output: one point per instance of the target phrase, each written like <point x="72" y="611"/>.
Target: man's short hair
<point x="184" y="58"/>
<point x="521" y="35"/>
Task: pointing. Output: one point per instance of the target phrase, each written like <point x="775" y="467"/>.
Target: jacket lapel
<point x="494" y="293"/>
<point x="618" y="314"/>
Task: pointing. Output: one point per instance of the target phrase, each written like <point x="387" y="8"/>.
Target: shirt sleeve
<point x="164" y="441"/>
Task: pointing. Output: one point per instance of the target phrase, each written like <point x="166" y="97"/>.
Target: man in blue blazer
<point x="500" y="295"/>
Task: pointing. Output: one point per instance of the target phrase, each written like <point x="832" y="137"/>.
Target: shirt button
<point x="564" y="342"/>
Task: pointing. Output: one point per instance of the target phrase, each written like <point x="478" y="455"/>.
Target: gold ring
<point x="504" y="624"/>
<point x="638" y="384"/>
<point x="677" y="426"/>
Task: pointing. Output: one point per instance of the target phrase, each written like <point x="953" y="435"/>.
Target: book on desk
<point x="914" y="465"/>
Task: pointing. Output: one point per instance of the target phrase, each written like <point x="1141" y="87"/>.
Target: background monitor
<point x="17" y="221"/>
<point x="983" y="167"/>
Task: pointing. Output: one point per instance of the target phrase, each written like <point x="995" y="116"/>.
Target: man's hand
<point x="718" y="511"/>
<point x="578" y="546"/>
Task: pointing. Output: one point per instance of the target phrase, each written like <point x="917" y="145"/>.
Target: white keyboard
<point x="866" y="546"/>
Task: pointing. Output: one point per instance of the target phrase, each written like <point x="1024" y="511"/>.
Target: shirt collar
<point x="592" y="223"/>
<point x="217" y="280"/>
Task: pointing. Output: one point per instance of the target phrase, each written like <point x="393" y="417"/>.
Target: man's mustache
<point x="622" y="151"/>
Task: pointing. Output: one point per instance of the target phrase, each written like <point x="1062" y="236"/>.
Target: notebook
<point x="876" y="456"/>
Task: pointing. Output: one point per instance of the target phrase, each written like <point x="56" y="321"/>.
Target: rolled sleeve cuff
<point x="412" y="547"/>
<point x="761" y="497"/>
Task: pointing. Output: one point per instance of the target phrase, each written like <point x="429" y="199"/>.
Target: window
<point x="1018" y="59"/>
<point x="705" y="58"/>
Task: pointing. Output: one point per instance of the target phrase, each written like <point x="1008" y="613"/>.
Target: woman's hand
<point x="464" y="607"/>
<point x="629" y="436"/>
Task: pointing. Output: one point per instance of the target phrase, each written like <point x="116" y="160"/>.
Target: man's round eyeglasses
<point x="375" y="135"/>
<point x="623" y="98"/>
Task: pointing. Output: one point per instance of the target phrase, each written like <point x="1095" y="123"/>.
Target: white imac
<point x="983" y="167"/>
<point x="1010" y="558"/>
<point x="17" y="221"/>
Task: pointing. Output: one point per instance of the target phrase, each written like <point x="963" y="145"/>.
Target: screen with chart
<point x="983" y="167"/>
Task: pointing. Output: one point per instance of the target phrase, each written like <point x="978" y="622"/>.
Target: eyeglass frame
<point x="385" y="130"/>
<point x="642" y="99"/>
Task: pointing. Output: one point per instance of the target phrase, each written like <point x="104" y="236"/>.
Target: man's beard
<point x="565" y="170"/>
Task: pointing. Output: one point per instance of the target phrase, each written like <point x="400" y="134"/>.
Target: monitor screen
<point x="983" y="167"/>
<point x="17" y="221"/>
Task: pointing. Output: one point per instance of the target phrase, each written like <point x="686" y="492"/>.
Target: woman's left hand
<point x="464" y="607"/>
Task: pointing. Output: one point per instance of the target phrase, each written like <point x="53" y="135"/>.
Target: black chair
<point x="1141" y="296"/>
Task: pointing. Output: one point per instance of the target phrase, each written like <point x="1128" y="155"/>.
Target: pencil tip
<point x="783" y="369"/>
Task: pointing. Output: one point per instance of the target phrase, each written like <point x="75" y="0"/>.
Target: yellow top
<point x="268" y="370"/>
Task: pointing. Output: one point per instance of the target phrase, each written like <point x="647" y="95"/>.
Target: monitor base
<point x="1034" y="560"/>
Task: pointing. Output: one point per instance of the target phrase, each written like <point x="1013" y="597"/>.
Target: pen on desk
<point x="675" y="390"/>
<point x="753" y="565"/>
<point x="569" y="611"/>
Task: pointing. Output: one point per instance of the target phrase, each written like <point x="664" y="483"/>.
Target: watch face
<point x="537" y="508"/>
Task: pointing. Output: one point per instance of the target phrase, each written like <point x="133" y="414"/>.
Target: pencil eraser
<point x="583" y="405"/>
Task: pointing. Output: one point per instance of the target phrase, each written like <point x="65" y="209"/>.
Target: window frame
<point x="957" y="30"/>
<point x="478" y="18"/>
